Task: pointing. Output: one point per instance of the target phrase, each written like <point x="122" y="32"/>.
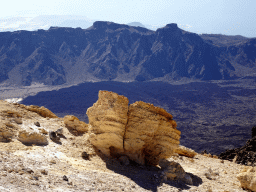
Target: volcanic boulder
<point x="142" y="132"/>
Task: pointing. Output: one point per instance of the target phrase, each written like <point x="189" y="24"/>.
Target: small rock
<point x="45" y="172"/>
<point x="85" y="156"/>
<point x="172" y="170"/>
<point x="53" y="136"/>
<point x="18" y="120"/>
<point x="65" y="178"/>
<point x="28" y="170"/>
<point x="59" y="131"/>
<point x="37" y="124"/>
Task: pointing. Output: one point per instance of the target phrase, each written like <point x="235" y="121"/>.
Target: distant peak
<point x="136" y="24"/>
<point x="172" y="26"/>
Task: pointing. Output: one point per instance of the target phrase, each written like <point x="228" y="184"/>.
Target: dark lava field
<point x="211" y="115"/>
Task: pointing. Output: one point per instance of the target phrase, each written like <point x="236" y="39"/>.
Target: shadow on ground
<point x="147" y="177"/>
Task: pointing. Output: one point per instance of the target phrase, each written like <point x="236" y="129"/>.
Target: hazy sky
<point x="231" y="17"/>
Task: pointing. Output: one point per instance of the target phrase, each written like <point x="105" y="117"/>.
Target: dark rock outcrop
<point x="110" y="51"/>
<point x="245" y="155"/>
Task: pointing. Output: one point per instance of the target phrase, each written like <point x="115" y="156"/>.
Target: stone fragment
<point x="43" y="131"/>
<point x="65" y="178"/>
<point x="54" y="137"/>
<point x="75" y="126"/>
<point x="85" y="156"/>
<point x="107" y="119"/>
<point x="17" y="120"/>
<point x="44" y="112"/>
<point x="59" y="131"/>
<point x="30" y="138"/>
<point x="209" y="174"/>
<point x="37" y="124"/>
<point x="184" y="151"/>
<point x="247" y="178"/>
<point x="150" y="135"/>
<point x="172" y="170"/>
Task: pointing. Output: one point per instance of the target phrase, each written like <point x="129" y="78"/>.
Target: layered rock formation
<point x="150" y="134"/>
<point x="107" y="119"/>
<point x="44" y="112"/>
<point x="143" y="132"/>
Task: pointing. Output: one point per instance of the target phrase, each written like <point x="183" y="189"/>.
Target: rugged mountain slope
<point x="110" y="51"/>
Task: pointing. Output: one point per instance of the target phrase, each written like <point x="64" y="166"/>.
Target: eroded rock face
<point x="142" y="132"/>
<point x="184" y="151"/>
<point x="75" y="126"/>
<point x="107" y="119"/>
<point x="247" y="178"/>
<point x="44" y="112"/>
<point x="30" y="138"/>
<point x="151" y="134"/>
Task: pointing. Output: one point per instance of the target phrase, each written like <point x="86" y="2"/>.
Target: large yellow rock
<point x="142" y="132"/>
<point x="150" y="135"/>
<point x="107" y="119"/>
<point x="247" y="178"/>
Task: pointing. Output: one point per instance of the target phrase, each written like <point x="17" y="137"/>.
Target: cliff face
<point x="143" y="132"/>
<point x="110" y="51"/>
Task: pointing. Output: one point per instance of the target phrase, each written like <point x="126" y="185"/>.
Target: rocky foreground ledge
<point x="123" y="148"/>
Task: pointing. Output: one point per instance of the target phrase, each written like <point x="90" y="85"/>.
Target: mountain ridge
<point x="111" y="51"/>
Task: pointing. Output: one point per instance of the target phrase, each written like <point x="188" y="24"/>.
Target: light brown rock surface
<point x="7" y="131"/>
<point x="150" y="135"/>
<point x="44" y="112"/>
<point x="184" y="151"/>
<point x="74" y="125"/>
<point x="247" y="178"/>
<point x="30" y="138"/>
<point x="143" y="132"/>
<point x="107" y="119"/>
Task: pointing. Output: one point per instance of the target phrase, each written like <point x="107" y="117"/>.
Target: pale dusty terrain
<point x="41" y="168"/>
